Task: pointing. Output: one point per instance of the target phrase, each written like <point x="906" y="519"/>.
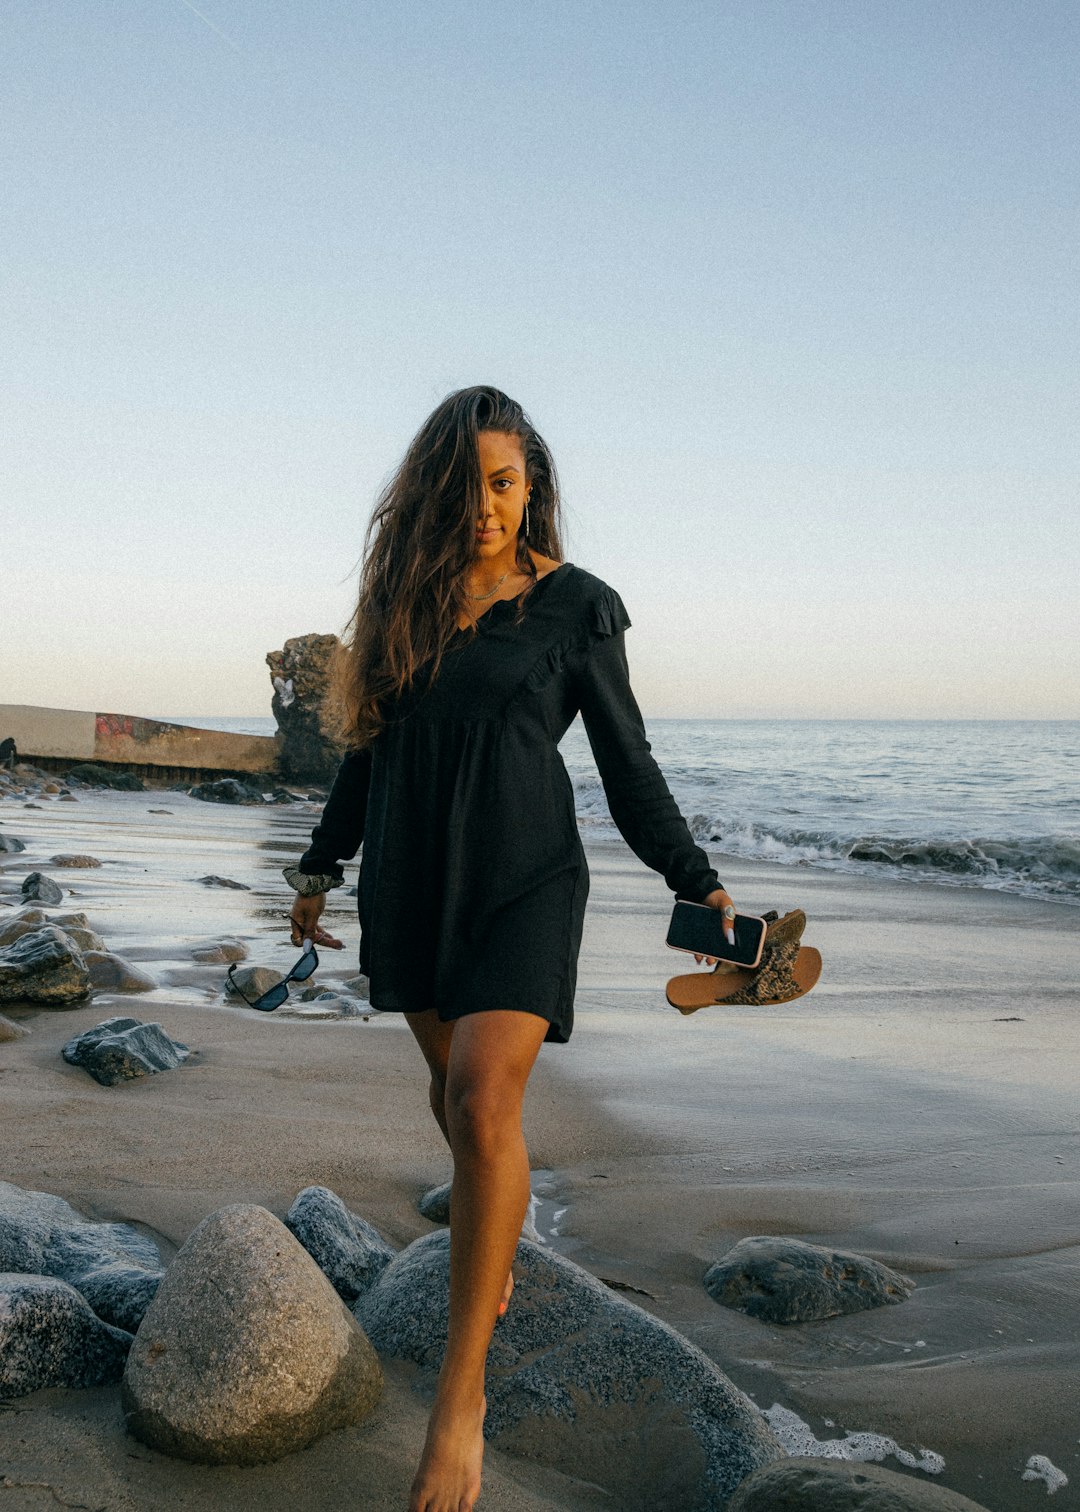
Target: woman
<point x="472" y="648"/>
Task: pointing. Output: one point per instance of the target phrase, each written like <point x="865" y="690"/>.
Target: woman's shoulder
<point x="599" y="604"/>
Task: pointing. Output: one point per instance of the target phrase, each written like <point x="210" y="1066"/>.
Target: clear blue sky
<point x="790" y="288"/>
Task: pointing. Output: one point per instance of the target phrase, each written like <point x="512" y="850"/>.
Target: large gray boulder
<point x="579" y="1378"/>
<point x="246" y="1353"/>
<point x="346" y="1248"/>
<point x="783" y="1280"/>
<point x="44" y="966"/>
<point x="121" y="1049"/>
<point x="50" y="1337"/>
<point x="11" y="845"/>
<point x="828" y="1485"/>
<point x="113" y="1266"/>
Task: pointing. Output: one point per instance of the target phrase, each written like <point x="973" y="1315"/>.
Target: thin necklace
<point x="492" y="591"/>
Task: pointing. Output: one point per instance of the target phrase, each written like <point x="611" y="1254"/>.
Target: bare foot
<point x="504" y="1300"/>
<point x="448" y="1479"/>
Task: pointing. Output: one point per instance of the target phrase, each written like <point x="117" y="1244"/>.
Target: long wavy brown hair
<point x="418" y="548"/>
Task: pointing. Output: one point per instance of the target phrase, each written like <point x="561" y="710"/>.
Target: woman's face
<point x="502" y="467"/>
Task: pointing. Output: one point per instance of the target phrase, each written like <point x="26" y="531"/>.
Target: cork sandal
<point x="787" y="971"/>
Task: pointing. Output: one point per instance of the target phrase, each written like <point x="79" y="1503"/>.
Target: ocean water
<point x="982" y="803"/>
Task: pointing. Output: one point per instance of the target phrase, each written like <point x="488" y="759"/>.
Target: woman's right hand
<point x="304" y="921"/>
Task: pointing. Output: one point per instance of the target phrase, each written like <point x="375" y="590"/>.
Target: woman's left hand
<point x="718" y="899"/>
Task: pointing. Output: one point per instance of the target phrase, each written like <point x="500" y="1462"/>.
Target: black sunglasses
<point x="274" y="996"/>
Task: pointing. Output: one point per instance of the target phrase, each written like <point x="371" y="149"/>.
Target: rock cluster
<point x="784" y="1280"/>
<point x="235" y="790"/>
<point x="59" y="959"/>
<point x="114" y="1268"/>
<point x="121" y="1049"/>
<point x="570" y="1365"/>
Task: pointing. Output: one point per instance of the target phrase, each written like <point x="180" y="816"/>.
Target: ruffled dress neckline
<point x="480" y="618"/>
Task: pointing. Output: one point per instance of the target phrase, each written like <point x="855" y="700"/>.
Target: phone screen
<point x="694" y="926"/>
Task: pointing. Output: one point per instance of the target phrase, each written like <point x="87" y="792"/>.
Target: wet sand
<point x="919" y="1106"/>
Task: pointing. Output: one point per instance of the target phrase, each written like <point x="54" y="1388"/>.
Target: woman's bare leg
<point x="434" y="1038"/>
<point x="491" y="1056"/>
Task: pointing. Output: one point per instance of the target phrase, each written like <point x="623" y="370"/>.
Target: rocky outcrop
<point x="783" y="1280"/>
<point x="121" y="1049"/>
<point x="49" y="1336"/>
<point x="346" y="1248"/>
<point x="828" y="1485"/>
<point x="95" y="775"/>
<point x="44" y="966"/>
<point x="300" y="674"/>
<point x="578" y="1376"/>
<point x="246" y="1353"/>
<point x="114" y="1268"/>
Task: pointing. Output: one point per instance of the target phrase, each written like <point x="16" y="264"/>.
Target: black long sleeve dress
<point x="473" y="878"/>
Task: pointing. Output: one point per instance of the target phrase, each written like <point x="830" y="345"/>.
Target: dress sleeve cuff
<point x="308" y="884"/>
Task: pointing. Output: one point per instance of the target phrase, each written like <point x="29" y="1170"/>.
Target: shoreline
<point x="918" y="1106"/>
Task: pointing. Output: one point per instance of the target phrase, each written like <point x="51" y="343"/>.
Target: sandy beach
<point x="920" y="1107"/>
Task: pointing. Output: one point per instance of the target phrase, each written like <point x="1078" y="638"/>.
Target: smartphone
<point x="697" y="928"/>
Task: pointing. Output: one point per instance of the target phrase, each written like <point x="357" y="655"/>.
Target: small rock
<point x="159" y="811"/>
<point x="67" y="798"/>
<point x="828" y="1485"/>
<point x="10" y="845"/>
<point x="782" y="1280"/>
<point x="576" y="1375"/>
<point x="121" y="1049"/>
<point x="49" y="1336"/>
<point x="251" y="982"/>
<point x="212" y="881"/>
<point x="32" y="805"/>
<point x="51" y="787"/>
<point x="86" y="863"/>
<point x="221" y="954"/>
<point x="116" y="1268"/>
<point x="434" y="1205"/>
<point x="94" y="775"/>
<point x="9" y="1030"/>
<point x="111" y="973"/>
<point x="226" y="790"/>
<point x="346" y="1248"/>
<point x="246" y="1353"/>
<point x="44" y="966"/>
<point x="38" y="888"/>
<point x="360" y="985"/>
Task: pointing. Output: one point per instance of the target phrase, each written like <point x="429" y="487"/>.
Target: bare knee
<point x="482" y="1114"/>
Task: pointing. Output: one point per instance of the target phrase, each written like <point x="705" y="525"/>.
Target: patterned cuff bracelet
<point x="307" y="886"/>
